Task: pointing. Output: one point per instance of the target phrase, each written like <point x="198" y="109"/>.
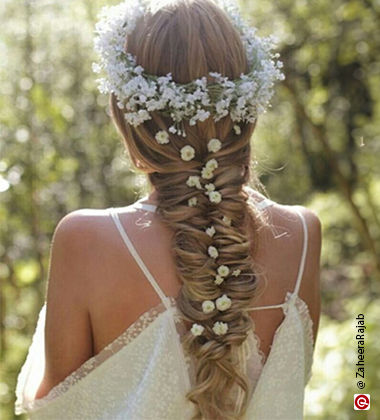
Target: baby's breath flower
<point x="194" y="181"/>
<point x="213" y="252"/>
<point x="218" y="279"/>
<point x="227" y="220"/>
<point x="237" y="129"/>
<point x="223" y="270"/>
<point x="236" y="272"/>
<point x="212" y="164"/>
<point x="214" y="145"/>
<point x="197" y="329"/>
<point x="223" y="303"/>
<point x="209" y="187"/>
<point x="140" y="94"/>
<point x="208" y="306"/>
<point x="187" y="153"/>
<point x="215" y="197"/>
<point x="207" y="173"/>
<point x="220" y="328"/>
<point x="210" y="231"/>
<point x="162" y="137"/>
<point x="192" y="201"/>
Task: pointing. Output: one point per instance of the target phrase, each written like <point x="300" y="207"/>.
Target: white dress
<point x="144" y="374"/>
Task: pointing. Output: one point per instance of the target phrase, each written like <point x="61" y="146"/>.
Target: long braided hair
<point x="190" y="38"/>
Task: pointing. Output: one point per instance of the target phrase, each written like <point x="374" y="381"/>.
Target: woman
<point x="202" y="299"/>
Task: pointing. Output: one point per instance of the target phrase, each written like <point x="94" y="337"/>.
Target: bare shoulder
<point x="95" y="247"/>
<point x="73" y="264"/>
<point x="288" y="218"/>
<point x="87" y="237"/>
<point x="82" y="236"/>
<point x="80" y="222"/>
<point x="310" y="287"/>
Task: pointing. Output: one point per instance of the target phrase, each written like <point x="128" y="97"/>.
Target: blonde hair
<point x="190" y="38"/>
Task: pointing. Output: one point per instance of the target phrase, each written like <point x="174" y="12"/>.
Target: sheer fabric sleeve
<point x="32" y="371"/>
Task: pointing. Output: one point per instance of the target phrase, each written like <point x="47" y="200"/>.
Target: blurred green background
<point x="319" y="147"/>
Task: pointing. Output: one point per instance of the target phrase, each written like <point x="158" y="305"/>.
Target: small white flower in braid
<point x="220" y="328"/>
<point x="197" y="329"/>
<point x="162" y="137"/>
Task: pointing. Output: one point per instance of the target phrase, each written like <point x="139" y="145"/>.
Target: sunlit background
<point x="319" y="146"/>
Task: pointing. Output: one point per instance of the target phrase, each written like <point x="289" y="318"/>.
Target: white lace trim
<point x="251" y="356"/>
<point x="307" y="321"/>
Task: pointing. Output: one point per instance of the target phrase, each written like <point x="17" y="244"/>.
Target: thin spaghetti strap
<point x="304" y="249"/>
<point x="137" y="257"/>
<point x="255" y="308"/>
<point x="300" y="269"/>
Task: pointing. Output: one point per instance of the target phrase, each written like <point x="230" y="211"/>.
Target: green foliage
<point x="330" y="392"/>
<point x="318" y="147"/>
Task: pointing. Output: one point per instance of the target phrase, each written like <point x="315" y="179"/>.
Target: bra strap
<point x="136" y="256"/>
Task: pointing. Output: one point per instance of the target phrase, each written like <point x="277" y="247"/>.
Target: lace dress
<point x="144" y="374"/>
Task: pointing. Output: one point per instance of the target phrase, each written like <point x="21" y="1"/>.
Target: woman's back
<point x="120" y="291"/>
<point x="124" y="304"/>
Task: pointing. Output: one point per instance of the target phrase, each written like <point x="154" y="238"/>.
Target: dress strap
<point x="304" y="249"/>
<point x="149" y="207"/>
<point x="300" y="269"/>
<point x="136" y="256"/>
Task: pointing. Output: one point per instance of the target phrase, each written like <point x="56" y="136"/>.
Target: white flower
<point x="218" y="279"/>
<point x="208" y="306"/>
<point x="220" y="328"/>
<point x="194" y="181"/>
<point x="237" y="129"/>
<point x="223" y="303"/>
<point x="223" y="270"/>
<point x="236" y="272"/>
<point x="212" y="164"/>
<point x="215" y="197"/>
<point x="192" y="201"/>
<point x="141" y="94"/>
<point x="210" y="231"/>
<point x="213" y="252"/>
<point x="197" y="329"/>
<point x="207" y="173"/>
<point x="162" y="137"/>
<point x="187" y="152"/>
<point x="214" y="145"/>
<point x="209" y="187"/>
<point x="227" y="220"/>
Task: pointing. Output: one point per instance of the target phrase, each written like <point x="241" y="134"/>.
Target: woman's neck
<point x="152" y="198"/>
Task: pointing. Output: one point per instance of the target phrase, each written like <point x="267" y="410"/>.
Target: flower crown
<point x="138" y="93"/>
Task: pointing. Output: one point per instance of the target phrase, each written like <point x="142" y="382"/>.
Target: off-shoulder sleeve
<point x="32" y="371"/>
